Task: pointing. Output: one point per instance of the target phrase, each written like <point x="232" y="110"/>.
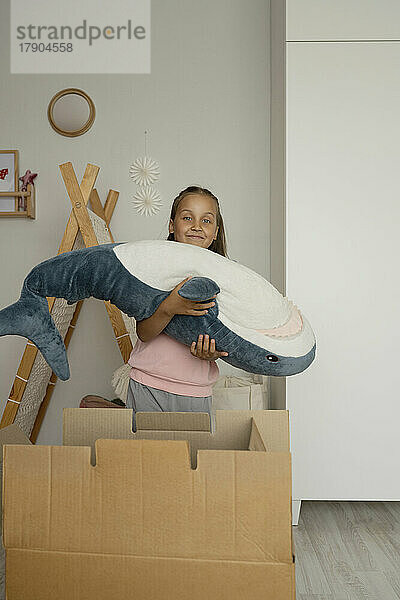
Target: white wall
<point x="206" y="105"/>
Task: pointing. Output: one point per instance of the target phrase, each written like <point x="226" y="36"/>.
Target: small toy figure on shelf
<point x="26" y="179"/>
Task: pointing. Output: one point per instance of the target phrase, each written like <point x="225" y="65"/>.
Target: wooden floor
<point x="348" y="551"/>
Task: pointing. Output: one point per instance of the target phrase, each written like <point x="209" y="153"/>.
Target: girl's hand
<point x="174" y="304"/>
<point x="205" y="349"/>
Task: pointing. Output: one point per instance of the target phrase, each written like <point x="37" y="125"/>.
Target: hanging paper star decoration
<point x="26" y="179"/>
<point x="147" y="201"/>
<point x="144" y="171"/>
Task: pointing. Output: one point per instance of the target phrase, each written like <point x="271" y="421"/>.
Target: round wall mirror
<point x="71" y="112"/>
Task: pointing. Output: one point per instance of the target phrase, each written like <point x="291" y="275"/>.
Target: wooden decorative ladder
<point x="79" y="220"/>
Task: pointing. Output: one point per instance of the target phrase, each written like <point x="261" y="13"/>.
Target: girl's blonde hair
<point x="219" y="244"/>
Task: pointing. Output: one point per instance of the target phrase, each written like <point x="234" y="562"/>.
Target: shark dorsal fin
<point x="199" y="289"/>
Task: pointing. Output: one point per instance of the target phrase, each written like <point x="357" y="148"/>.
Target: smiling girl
<point x="166" y="375"/>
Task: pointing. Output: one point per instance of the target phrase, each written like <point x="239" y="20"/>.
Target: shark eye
<point x="272" y="358"/>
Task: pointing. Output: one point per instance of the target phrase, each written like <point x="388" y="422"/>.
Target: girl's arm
<point x="149" y="328"/>
<point x="173" y="304"/>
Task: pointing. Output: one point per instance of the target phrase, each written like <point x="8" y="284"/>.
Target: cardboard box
<point x="172" y="512"/>
<point x="8" y="435"/>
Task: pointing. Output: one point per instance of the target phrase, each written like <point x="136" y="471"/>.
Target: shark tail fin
<point x="29" y="317"/>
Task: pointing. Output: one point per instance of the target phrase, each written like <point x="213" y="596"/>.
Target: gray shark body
<point x="105" y="272"/>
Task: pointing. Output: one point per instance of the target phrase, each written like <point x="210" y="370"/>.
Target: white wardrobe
<point x="343" y="244"/>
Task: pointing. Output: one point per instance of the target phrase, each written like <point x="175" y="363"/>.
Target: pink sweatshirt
<point x="165" y="364"/>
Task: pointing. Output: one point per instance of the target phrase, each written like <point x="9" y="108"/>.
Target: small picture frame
<point x="9" y="180"/>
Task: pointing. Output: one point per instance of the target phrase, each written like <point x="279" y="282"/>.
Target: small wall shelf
<point x="30" y="203"/>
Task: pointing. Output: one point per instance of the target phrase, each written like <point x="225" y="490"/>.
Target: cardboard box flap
<point x="273" y="426"/>
<point x="169" y="421"/>
<point x="12" y="434"/>
<point x="256" y="441"/>
<point x="142" y="498"/>
<point x="232" y="431"/>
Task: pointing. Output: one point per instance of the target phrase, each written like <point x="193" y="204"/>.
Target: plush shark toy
<point x="262" y="331"/>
